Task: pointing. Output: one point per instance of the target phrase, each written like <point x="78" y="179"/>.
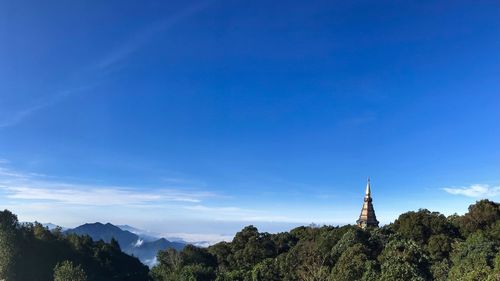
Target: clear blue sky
<point x="204" y="116"/>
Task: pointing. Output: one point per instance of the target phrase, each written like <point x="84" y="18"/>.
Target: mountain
<point x="143" y="234"/>
<point x="143" y="252"/>
<point x="52" y="226"/>
<point x="105" y="232"/>
<point x="133" y="244"/>
<point x="49" y="226"/>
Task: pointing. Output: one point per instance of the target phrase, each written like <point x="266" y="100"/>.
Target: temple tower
<point x="367" y="217"/>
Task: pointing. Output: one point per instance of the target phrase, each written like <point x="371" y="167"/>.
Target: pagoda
<point x="367" y="217"/>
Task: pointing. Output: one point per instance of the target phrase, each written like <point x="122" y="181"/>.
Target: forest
<point x="419" y="245"/>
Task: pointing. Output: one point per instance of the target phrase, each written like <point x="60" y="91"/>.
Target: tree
<point x="420" y="226"/>
<point x="114" y="244"/>
<point x="196" y="272"/>
<point x="439" y="247"/>
<point x="192" y="255"/>
<point x="473" y="259"/>
<point x="403" y="260"/>
<point x="221" y="251"/>
<point x="67" y="271"/>
<point x="250" y="247"/>
<point x="8" y="245"/>
<point x="440" y="269"/>
<point x="351" y="265"/>
<point x="313" y="264"/>
<point x="495" y="275"/>
<point x="266" y="271"/>
<point x="169" y="266"/>
<point x="350" y="238"/>
<point x="287" y="264"/>
<point x="480" y="216"/>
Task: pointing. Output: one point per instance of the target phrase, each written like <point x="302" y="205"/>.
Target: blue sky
<point x="204" y="116"/>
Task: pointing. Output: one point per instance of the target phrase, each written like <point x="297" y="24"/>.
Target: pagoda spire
<point x="367" y="217"/>
<point x="368" y="188"/>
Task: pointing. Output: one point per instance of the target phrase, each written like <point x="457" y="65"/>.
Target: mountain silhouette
<point x="130" y="243"/>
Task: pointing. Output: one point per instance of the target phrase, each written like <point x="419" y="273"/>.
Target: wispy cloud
<point x="92" y="196"/>
<point x="16" y="117"/>
<point x="142" y="37"/>
<point x="103" y="65"/>
<point x="50" y="198"/>
<point x="33" y="187"/>
<point x="475" y="190"/>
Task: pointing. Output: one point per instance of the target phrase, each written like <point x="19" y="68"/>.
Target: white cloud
<point x="475" y="190"/>
<point x="139" y="243"/>
<point x="92" y="196"/>
<point x="60" y="200"/>
<point x="198" y="239"/>
<point x="33" y="187"/>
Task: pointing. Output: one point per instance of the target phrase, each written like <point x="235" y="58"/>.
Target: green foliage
<point x="30" y="252"/>
<point x="221" y="251"/>
<point x="420" y="226"/>
<point x="351" y="265"/>
<point x="169" y="267"/>
<point x="481" y="216"/>
<point x="312" y="263"/>
<point x="67" y="271"/>
<point x="235" y="275"/>
<point x="473" y="259"/>
<point x="250" y="247"/>
<point x="439" y="246"/>
<point x="495" y="275"/>
<point x="266" y="271"/>
<point x="418" y="246"/>
<point x="372" y="271"/>
<point x="403" y="260"/>
<point x="196" y="255"/>
<point x="195" y="272"/>
<point x="350" y="238"/>
<point x="192" y="263"/>
<point x="8" y="245"/>
<point x="287" y="264"/>
<point x="440" y="269"/>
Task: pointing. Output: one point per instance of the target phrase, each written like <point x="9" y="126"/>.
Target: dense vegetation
<point x="30" y="252"/>
<point x="420" y="245"/>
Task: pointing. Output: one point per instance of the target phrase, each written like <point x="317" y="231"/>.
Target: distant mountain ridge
<point x="144" y="248"/>
<point x="49" y="226"/>
<point x="105" y="232"/>
<point x="143" y="234"/>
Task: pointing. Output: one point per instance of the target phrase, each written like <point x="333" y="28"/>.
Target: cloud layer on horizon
<point x="38" y="193"/>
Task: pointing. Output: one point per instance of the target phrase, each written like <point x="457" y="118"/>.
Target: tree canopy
<point x="418" y="246"/>
<point x="30" y="252"/>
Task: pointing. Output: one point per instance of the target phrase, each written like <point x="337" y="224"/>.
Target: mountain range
<point x="143" y="246"/>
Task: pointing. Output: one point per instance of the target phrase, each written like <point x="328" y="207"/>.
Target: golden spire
<point x="368" y="192"/>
